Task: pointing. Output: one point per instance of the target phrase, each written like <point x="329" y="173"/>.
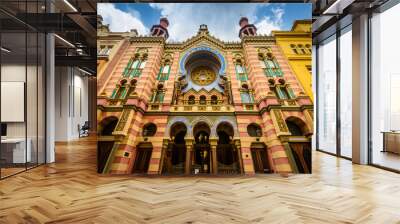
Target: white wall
<point x="71" y="102"/>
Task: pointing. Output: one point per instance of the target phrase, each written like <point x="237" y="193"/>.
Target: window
<point x="284" y="92"/>
<point x="385" y="89"/>
<point x="149" y="130"/>
<point x="246" y="96"/>
<point x="254" y="130"/>
<point x="327" y="95"/>
<point x="142" y="65"/>
<point x="239" y="68"/>
<point x="119" y="93"/>
<point x="164" y="73"/>
<point x="294" y="129"/>
<point x="202" y="99"/>
<point x="166" y="69"/>
<point x="159" y="97"/>
<point x="214" y="99"/>
<point x="301" y="49"/>
<point x="241" y="72"/>
<point x="346" y="93"/>
<point x="272" y="68"/>
<point x="191" y="100"/>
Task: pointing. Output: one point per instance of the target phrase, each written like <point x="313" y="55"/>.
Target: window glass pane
<point x="327" y="95"/>
<point x="143" y="64"/>
<point x="135" y="64"/>
<point x="385" y="84"/>
<point x="270" y="64"/>
<point x="13" y="87"/>
<point x="31" y="98"/>
<point x="346" y="93"/>
<point x="239" y="69"/>
<point x="165" y="69"/>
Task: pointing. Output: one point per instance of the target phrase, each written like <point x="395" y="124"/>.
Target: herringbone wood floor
<point x="70" y="191"/>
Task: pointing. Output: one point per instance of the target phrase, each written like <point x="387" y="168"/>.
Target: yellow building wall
<point x="298" y="62"/>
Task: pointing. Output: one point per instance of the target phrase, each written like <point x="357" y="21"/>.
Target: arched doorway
<point x="259" y="153"/>
<point x="227" y="154"/>
<point x="261" y="161"/>
<point x="201" y="147"/>
<point x="143" y="156"/>
<point x="175" y="156"/>
<point x="105" y="143"/>
<point x="301" y="148"/>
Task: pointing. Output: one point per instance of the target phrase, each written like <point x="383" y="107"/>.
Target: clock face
<point x="203" y="76"/>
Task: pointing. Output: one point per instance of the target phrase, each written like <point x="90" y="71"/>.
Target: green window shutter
<point x="280" y="73"/>
<point x="161" y="97"/>
<point x="276" y="63"/>
<point x="126" y="72"/>
<point x="159" y="73"/>
<point x="123" y="94"/>
<point x="281" y="94"/>
<point x="291" y="93"/>
<point x="114" y="93"/>
<point x="270" y="72"/>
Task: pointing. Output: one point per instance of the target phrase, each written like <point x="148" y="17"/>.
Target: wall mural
<point x="204" y="105"/>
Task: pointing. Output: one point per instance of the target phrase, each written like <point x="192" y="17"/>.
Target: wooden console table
<point x="391" y="141"/>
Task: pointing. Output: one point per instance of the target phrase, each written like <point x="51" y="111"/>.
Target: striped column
<point x="275" y="147"/>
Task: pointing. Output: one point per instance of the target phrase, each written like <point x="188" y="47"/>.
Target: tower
<point x="160" y="30"/>
<point x="246" y="29"/>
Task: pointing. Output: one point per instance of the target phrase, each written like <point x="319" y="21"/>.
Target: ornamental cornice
<point x="147" y="39"/>
<point x="193" y="41"/>
<point x="258" y="39"/>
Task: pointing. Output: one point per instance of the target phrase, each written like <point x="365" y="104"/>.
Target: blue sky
<point x="221" y="18"/>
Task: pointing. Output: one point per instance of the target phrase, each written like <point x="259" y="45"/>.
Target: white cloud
<point x="119" y="20"/>
<point x="268" y="23"/>
<point x="222" y="19"/>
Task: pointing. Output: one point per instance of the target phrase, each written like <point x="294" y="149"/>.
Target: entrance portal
<point x="302" y="155"/>
<point x="201" y="160"/>
<point x="143" y="155"/>
<point x="227" y="154"/>
<point x="175" y="156"/>
<point x="260" y="158"/>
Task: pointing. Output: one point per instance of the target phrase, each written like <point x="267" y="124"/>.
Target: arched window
<point x="294" y="128"/>
<point x="254" y="130"/>
<point x="214" y="99"/>
<point x="241" y="72"/>
<point x="272" y="68"/>
<point x="164" y="72"/>
<point x="149" y="130"/>
<point x="108" y="125"/>
<point x="294" y="48"/>
<point x="202" y="99"/>
<point x="192" y="99"/>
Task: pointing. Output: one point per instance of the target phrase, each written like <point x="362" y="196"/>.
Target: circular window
<point x="254" y="130"/>
<point x="203" y="76"/>
<point x="149" y="130"/>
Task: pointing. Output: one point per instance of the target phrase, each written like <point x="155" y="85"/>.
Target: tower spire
<point x="160" y="30"/>
<point x="246" y="29"/>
